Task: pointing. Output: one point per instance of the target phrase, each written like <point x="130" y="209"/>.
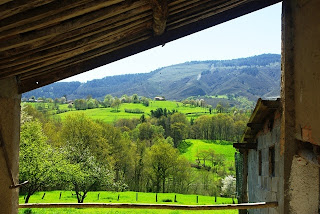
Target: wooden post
<point x="118" y="197"/>
<point x="43" y="195"/>
<point x="197" y="199"/>
<point x="175" y="198"/>
<point x="60" y="195"/>
<point x="98" y="196"/>
<point x="10" y="132"/>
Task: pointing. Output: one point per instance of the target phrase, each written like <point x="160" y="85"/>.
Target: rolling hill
<point x="252" y="77"/>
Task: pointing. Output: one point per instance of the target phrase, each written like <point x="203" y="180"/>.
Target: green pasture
<point x="110" y="115"/>
<point x="220" y="147"/>
<point x="124" y="197"/>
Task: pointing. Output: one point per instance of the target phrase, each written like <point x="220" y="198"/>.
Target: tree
<point x="108" y="99"/>
<point x="228" y="186"/>
<point x="36" y="159"/>
<point x="87" y="153"/>
<point x="178" y="132"/>
<point x="135" y="98"/>
<point x="160" y="160"/>
<point x="116" y="104"/>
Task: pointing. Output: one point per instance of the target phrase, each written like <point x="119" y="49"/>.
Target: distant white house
<point x="159" y="98"/>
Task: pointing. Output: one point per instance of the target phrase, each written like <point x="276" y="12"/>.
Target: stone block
<point x="275" y="181"/>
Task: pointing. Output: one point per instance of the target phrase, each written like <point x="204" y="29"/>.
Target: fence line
<point x="257" y="205"/>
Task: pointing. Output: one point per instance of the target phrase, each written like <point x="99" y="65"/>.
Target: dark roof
<point x="43" y="41"/>
<point x="263" y="110"/>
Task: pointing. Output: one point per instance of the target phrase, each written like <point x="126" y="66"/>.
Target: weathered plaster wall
<point x="300" y="98"/>
<point x="264" y="188"/>
<point x="307" y="69"/>
<point x="10" y="128"/>
<point x="304" y="182"/>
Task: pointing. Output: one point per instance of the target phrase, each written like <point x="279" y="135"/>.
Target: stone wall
<point x="264" y="188"/>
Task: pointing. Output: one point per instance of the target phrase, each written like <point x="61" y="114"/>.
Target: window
<point x="271" y="161"/>
<point x="260" y="163"/>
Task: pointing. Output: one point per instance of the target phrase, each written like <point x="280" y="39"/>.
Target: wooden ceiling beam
<point x="114" y="26"/>
<point x="201" y="13"/>
<point x="111" y="22"/>
<point x="36" y="14"/>
<point x="160" y="16"/>
<point x="91" y="51"/>
<point x="60" y="23"/>
<point x="10" y="8"/>
<point x="185" y="7"/>
<point x="39" y="80"/>
<point x="70" y="50"/>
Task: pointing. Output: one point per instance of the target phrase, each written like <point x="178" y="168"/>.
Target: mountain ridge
<point x="251" y="77"/>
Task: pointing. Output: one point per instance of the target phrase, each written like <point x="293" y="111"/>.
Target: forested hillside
<point x="252" y="77"/>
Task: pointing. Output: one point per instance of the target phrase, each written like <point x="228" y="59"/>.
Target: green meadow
<point x="109" y="115"/>
<point x="222" y="147"/>
<point x="124" y="197"/>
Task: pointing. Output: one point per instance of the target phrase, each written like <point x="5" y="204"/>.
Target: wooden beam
<point x="98" y="46"/>
<point x="255" y="125"/>
<point x="126" y="17"/>
<point x="160" y="16"/>
<point x="11" y="8"/>
<point x="59" y="23"/>
<point x="76" y="46"/>
<point x="199" y="13"/>
<point x="245" y="145"/>
<point x="257" y="205"/>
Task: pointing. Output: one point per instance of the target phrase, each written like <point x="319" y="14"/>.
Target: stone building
<point x="261" y="173"/>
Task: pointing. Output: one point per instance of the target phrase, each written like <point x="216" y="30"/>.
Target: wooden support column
<point x="160" y="16"/>
<point x="10" y="132"/>
<point x="244" y="193"/>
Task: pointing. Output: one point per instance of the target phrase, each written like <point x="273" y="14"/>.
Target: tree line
<point x="132" y="154"/>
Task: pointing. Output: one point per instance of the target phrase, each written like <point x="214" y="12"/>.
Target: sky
<point x="253" y="34"/>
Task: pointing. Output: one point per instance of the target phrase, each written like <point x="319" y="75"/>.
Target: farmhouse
<point x="260" y="163"/>
<point x="159" y="98"/>
<point x="44" y="41"/>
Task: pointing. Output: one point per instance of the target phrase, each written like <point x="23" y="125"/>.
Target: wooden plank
<point x="63" y="71"/>
<point x="258" y="205"/>
<point x="125" y="40"/>
<point x="82" y="47"/>
<point x="203" y="14"/>
<point x="55" y="7"/>
<point x="13" y="7"/>
<point x="35" y="56"/>
<point x="245" y="145"/>
<point x="74" y="35"/>
<point x="160" y="16"/>
<point x="59" y="23"/>
<point x="185" y="6"/>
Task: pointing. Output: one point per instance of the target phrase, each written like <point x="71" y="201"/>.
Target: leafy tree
<point x="108" y="99"/>
<point x="135" y="98"/>
<point x="37" y="161"/>
<point x="87" y="153"/>
<point x="160" y="160"/>
<point x="228" y="186"/>
<point x="116" y="104"/>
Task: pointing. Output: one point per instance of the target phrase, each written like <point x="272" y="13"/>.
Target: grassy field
<point x="124" y="197"/>
<point x="109" y="115"/>
<point x="220" y="147"/>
